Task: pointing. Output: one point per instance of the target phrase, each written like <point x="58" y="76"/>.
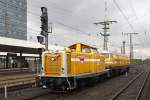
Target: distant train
<point x="67" y="69"/>
<point x="116" y="63"/>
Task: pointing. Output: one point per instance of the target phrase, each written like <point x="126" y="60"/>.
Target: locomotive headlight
<point x="52" y="59"/>
<point x="62" y="69"/>
<point x="42" y="68"/>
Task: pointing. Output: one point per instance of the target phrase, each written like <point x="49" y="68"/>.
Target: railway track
<point x="144" y="93"/>
<point x="51" y="95"/>
<point x="89" y="93"/>
<point x="59" y="96"/>
<point x="134" y="89"/>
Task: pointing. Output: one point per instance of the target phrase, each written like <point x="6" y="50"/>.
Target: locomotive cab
<point x="63" y="68"/>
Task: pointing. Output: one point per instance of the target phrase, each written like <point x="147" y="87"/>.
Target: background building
<point x="13" y="19"/>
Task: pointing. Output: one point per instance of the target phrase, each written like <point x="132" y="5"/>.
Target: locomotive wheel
<point x="64" y="88"/>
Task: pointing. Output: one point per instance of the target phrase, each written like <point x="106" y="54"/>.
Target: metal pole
<point x="104" y="43"/>
<point x="121" y="50"/>
<point x="37" y="65"/>
<point x="124" y="51"/>
<point x="5" y="87"/>
<point x="46" y="41"/>
<point x="130" y="47"/>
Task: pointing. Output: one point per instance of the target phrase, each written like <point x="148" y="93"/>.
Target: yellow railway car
<point x="116" y="62"/>
<point x="67" y="68"/>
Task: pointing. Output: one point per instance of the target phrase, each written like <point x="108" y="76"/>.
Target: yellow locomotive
<point x="65" y="68"/>
<point x="116" y="62"/>
<point x="68" y="68"/>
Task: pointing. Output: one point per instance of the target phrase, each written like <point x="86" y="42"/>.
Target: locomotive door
<point x="83" y="64"/>
<point x="94" y="65"/>
<point x="84" y="61"/>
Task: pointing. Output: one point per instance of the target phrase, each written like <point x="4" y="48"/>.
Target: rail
<point x="142" y="87"/>
<point x="126" y="86"/>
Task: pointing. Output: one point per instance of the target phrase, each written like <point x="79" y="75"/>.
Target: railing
<point x="17" y="81"/>
<point x="13" y="70"/>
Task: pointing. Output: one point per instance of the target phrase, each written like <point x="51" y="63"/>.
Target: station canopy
<point x="23" y="46"/>
<point x="17" y="46"/>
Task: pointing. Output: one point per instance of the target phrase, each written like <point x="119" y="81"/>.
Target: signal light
<point x="40" y="39"/>
<point x="44" y="21"/>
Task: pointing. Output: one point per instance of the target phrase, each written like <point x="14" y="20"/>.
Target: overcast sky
<point x="73" y="22"/>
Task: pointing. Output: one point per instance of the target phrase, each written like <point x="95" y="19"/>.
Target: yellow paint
<point x="52" y="67"/>
<point x="82" y="67"/>
<point x="116" y="60"/>
<point x="78" y="47"/>
<point x="92" y="62"/>
<point x="81" y="59"/>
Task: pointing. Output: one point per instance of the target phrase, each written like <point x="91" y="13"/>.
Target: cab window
<point x="86" y="50"/>
<point x="73" y="49"/>
<point x="106" y="55"/>
<point x="110" y="56"/>
<point x="94" y="50"/>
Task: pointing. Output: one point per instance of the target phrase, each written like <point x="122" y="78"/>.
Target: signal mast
<point x="44" y="28"/>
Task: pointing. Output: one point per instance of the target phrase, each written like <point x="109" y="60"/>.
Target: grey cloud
<point x="78" y="17"/>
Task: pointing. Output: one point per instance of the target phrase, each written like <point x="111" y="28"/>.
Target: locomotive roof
<point x="86" y="45"/>
<point x="118" y="54"/>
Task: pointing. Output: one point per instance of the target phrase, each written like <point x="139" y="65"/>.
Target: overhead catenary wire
<point x="63" y="11"/>
<point x="66" y="25"/>
<point x="125" y="17"/>
<point x="59" y="22"/>
<point x="133" y="9"/>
